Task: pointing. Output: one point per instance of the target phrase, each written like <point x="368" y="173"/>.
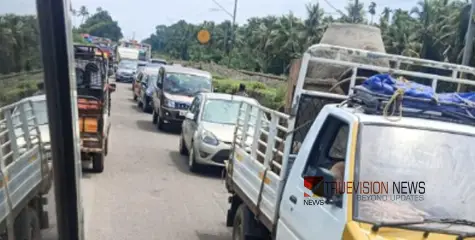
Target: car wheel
<point x="183" y="149"/>
<point x="193" y="166"/>
<point x="160" y="123"/>
<point x="144" y="104"/>
<point x="154" y="116"/>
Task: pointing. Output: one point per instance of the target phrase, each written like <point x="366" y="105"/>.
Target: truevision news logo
<point x="365" y="190"/>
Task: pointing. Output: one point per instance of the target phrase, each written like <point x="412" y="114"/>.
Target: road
<point x="146" y="191"/>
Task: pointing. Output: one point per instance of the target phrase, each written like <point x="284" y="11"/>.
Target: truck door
<point x="304" y="215"/>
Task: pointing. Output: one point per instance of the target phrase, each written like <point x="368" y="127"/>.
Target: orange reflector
<point x="88" y="125"/>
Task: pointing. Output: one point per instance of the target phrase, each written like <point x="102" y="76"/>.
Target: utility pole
<point x="233" y="16"/>
<point x="468" y="48"/>
<point x="233" y="35"/>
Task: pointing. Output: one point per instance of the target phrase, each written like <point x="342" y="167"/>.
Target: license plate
<point x="182" y="113"/>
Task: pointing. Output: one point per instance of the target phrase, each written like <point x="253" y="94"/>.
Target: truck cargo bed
<point x="261" y="156"/>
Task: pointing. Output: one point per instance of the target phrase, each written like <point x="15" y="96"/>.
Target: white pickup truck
<point x="25" y="169"/>
<point x="270" y="183"/>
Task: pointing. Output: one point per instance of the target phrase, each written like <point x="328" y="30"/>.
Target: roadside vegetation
<point x="432" y="29"/>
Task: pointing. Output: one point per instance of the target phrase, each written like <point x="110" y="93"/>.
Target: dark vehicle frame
<point x="94" y="103"/>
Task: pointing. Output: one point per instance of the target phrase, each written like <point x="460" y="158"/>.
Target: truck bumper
<point x="91" y="145"/>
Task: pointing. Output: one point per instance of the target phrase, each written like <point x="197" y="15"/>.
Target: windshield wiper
<point x="462" y="236"/>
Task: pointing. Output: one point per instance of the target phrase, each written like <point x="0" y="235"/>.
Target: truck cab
<point x="350" y="174"/>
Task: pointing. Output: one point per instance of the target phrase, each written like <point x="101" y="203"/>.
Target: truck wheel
<point x="106" y="147"/>
<point x="98" y="162"/>
<point x="154" y="117"/>
<point x="245" y="227"/>
<point x="27" y="225"/>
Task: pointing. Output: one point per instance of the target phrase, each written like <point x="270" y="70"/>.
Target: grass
<point x="14" y="89"/>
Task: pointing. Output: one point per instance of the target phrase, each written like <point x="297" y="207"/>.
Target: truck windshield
<point x="186" y="84"/>
<point x="443" y="161"/>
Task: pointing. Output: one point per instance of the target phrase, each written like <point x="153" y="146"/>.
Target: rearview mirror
<point x="190" y="116"/>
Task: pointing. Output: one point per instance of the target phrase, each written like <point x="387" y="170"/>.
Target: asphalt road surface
<point x="146" y="191"/>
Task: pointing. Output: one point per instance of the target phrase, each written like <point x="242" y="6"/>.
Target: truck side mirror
<point x="327" y="187"/>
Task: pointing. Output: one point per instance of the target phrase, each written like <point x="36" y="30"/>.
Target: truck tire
<point x="106" y="147"/>
<point x="98" y="162"/>
<point x="245" y="227"/>
<point x="27" y="225"/>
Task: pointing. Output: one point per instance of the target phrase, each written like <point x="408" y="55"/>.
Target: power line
<point x="334" y="8"/>
<point x="222" y="8"/>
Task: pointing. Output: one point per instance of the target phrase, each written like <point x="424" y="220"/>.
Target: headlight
<point x="169" y="103"/>
<point x="209" y="138"/>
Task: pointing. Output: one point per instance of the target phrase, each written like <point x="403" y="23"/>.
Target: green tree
<point x="101" y="24"/>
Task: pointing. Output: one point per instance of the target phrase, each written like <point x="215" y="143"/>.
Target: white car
<point x="208" y="128"/>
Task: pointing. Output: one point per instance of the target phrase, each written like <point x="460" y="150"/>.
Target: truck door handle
<point x="293" y="199"/>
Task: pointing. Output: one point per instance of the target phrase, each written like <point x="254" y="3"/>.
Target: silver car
<point x="208" y="128"/>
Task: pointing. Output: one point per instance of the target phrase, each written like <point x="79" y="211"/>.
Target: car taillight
<point x="88" y="125"/>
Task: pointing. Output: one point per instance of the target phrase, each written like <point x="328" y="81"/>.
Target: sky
<point x="138" y="18"/>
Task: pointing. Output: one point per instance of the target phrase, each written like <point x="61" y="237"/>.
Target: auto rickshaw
<point x="94" y="103"/>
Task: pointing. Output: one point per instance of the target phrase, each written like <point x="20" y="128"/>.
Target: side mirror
<point x="326" y="186"/>
<point x="190" y="116"/>
<point x="112" y="87"/>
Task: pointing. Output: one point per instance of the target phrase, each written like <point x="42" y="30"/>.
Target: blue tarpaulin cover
<point x="387" y="85"/>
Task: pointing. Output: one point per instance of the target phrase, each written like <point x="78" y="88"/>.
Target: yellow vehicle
<point x="325" y="187"/>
